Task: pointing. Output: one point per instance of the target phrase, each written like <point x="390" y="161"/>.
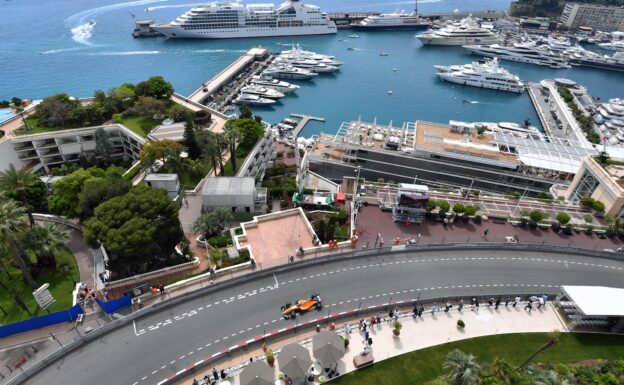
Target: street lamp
<point x="66" y="268"/>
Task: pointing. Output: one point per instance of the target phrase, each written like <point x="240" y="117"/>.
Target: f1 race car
<point x="301" y="306"/>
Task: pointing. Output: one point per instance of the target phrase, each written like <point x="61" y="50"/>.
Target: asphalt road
<point x="161" y="344"/>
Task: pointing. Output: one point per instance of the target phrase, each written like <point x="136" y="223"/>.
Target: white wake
<point x="82" y="33"/>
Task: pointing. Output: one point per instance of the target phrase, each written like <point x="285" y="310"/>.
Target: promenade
<point x="426" y="331"/>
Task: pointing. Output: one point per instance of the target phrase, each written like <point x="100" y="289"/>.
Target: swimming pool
<point x="5" y="113"/>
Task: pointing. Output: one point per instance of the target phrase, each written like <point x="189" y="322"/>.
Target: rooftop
<point x="597" y="300"/>
<point x="161" y="177"/>
<point x="229" y="186"/>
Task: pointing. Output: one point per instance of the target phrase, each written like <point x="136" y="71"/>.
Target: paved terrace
<point x="429" y="330"/>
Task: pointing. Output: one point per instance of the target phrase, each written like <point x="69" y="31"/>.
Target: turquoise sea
<point x="46" y="47"/>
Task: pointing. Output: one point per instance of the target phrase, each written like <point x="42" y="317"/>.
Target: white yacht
<point x="610" y="119"/>
<point x="393" y="21"/>
<point x="458" y="67"/>
<point x="487" y="75"/>
<point x="464" y="33"/>
<point x="231" y="19"/>
<point x="583" y="57"/>
<point x="307" y="64"/>
<point x="613" y="46"/>
<point x="529" y="52"/>
<point x="288" y="72"/>
<point x="277" y="85"/>
<point x="296" y="53"/>
<point x="263" y="92"/>
<point x="252" y="100"/>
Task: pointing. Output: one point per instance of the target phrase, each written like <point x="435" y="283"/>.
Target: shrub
<point x="545" y="195"/>
<point x="587" y="201"/>
<point x="537" y="215"/>
<point x="444" y="206"/>
<point x="471" y="210"/>
<point x="461" y="324"/>
<point x="598" y="206"/>
<point x="459" y="208"/>
<point x="220" y="241"/>
<point x="290" y="154"/>
<point x="513" y="195"/>
<point x="280" y="154"/>
<point x="118" y="118"/>
<point x="380" y="180"/>
<point x="396" y="325"/>
<point x="524" y="213"/>
<point x="588" y="218"/>
<point x="563" y="218"/>
<point x="589" y="229"/>
<point x="431" y="204"/>
<point x="270" y="357"/>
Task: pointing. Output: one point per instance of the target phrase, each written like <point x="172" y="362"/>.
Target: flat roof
<point x="224" y="185"/>
<point x="163" y="177"/>
<point x="597" y="300"/>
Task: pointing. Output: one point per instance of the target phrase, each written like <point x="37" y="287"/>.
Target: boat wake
<point x="61" y="50"/>
<point x="149" y="9"/>
<point x="80" y="17"/>
<point x="125" y="53"/>
<point x="82" y="33"/>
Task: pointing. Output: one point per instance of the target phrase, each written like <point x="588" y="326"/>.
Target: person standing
<point x="461" y="305"/>
<point x="215" y="374"/>
<point x="497" y="304"/>
<point x="529" y="306"/>
<point x="540" y="302"/>
<point x="517" y="300"/>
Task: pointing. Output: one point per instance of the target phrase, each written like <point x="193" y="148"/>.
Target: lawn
<point x="61" y="287"/>
<point x="423" y="365"/>
<point x="241" y="155"/>
<point x="140" y="125"/>
<point x="36" y="128"/>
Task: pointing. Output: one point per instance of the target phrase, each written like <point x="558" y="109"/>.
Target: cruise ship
<point x="486" y="75"/>
<point x="231" y="19"/>
<point x="465" y="33"/>
<point x="530" y="52"/>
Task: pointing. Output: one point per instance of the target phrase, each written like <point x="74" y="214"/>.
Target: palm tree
<point x="231" y="135"/>
<point x="213" y="151"/>
<point x="553" y="339"/>
<point x="16" y="183"/>
<point x="13" y="224"/>
<point x="20" y="111"/>
<point x="207" y="224"/>
<point x="548" y="378"/>
<point x="464" y="368"/>
<point x="224" y="216"/>
<point x="16" y="297"/>
<point x="504" y="371"/>
<point x="45" y="240"/>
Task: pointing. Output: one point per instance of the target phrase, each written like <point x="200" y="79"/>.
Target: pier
<point x="542" y="109"/>
<point x="220" y="89"/>
<point x="304" y="120"/>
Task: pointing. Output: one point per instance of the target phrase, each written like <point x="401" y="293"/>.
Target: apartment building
<point x="599" y="17"/>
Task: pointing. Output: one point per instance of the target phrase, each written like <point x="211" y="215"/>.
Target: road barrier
<point x="114" y="305"/>
<point x="40" y="322"/>
<point x="264" y="273"/>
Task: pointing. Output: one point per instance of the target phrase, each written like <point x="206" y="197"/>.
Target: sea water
<point x="48" y="47"/>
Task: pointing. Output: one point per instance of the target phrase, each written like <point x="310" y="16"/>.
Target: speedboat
<point x="263" y="92"/>
<point x="354" y="36"/>
<point x="383" y="54"/>
<point x="252" y="100"/>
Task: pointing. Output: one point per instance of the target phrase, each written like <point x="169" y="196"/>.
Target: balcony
<point x="70" y="140"/>
<point x="87" y="138"/>
<point x="53" y="160"/>
<point x="27" y="155"/>
<point x="49" y="152"/>
<point x="24" y="146"/>
<point x="46" y="143"/>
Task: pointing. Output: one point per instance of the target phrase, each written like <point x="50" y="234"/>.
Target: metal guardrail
<point x="259" y="274"/>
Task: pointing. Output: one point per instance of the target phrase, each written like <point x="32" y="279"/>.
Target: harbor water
<point x="49" y="47"/>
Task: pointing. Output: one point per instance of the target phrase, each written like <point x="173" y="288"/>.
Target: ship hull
<point x="604" y="66"/>
<point x="472" y="83"/>
<point x="177" y="32"/>
<point x="413" y="27"/>
<point x="456" y="41"/>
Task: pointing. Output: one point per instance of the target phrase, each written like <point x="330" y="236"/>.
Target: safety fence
<point x="40" y="322"/>
<point x="114" y="305"/>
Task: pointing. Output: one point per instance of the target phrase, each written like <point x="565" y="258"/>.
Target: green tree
<point x="66" y="190"/>
<point x="45" y="241"/>
<point x="320" y="231"/>
<point x="139" y="230"/>
<point x="103" y="146"/>
<point x="212" y="150"/>
<point x="563" y="218"/>
<point x="21" y="185"/>
<point x="245" y="112"/>
<point x="20" y="111"/>
<point x="536" y="215"/>
<point x="459" y="208"/>
<point x="444" y="206"/>
<point x="58" y="110"/>
<point x="548" y="377"/>
<point x="16" y="101"/>
<point x="148" y="106"/>
<point x="212" y="223"/>
<point x="180" y="114"/>
<point x="123" y="97"/>
<point x="232" y="135"/>
<point x="97" y="191"/>
<point x="464" y="368"/>
<point x="190" y="141"/>
<point x="13" y="225"/>
<point x="16" y="298"/>
<point x="155" y="87"/>
<point x="161" y="150"/>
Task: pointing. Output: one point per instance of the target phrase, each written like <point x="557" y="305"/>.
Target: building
<point x="411" y="203"/>
<point x="238" y="194"/>
<point x="260" y="158"/>
<point x="592" y="307"/>
<point x="599" y="17"/>
<point x="167" y="182"/>
<point x="41" y="152"/>
<point x="601" y="182"/>
<point x="440" y="155"/>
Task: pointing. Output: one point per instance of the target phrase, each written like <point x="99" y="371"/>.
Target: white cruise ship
<point x="530" y="52"/>
<point x="231" y="19"/>
<point x="486" y="75"/>
<point x="465" y="33"/>
<point x="393" y="21"/>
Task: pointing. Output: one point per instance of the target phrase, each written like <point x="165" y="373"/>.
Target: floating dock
<point x="304" y="120"/>
<point x="239" y="71"/>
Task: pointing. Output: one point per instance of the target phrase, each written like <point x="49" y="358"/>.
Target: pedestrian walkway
<point x="422" y="332"/>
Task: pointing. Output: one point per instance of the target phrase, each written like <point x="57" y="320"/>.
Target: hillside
<point x="549" y="8"/>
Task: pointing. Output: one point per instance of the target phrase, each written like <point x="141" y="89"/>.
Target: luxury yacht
<point x="583" y="57"/>
<point x="487" y="75"/>
<point x="277" y="85"/>
<point x="464" y="33"/>
<point x="263" y="92"/>
<point x="288" y="72"/>
<point x="252" y="99"/>
<point x="529" y="52"/>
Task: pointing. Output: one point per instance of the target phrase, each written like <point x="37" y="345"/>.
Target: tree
<point x="97" y="191"/>
<point x="212" y="150"/>
<point x="231" y="136"/>
<point x="563" y="218"/>
<point x="139" y="230"/>
<point x="66" y="190"/>
<point x="190" y="141"/>
<point x="123" y="97"/>
<point x="553" y="339"/>
<point x="148" y="106"/>
<point x="464" y="368"/>
<point x="57" y="110"/>
<point x="444" y="206"/>
<point x="160" y="150"/>
<point x="505" y="372"/>
<point x="13" y="225"/>
<point x="548" y="378"/>
<point x="202" y="118"/>
<point x="212" y="223"/>
<point x="249" y="130"/>
<point x="20" y="111"/>
<point x="16" y="297"/>
<point x="17" y="183"/>
<point x="244" y="112"/>
<point x="103" y="146"/>
<point x="459" y="208"/>
<point x="45" y="241"/>
<point x="536" y="215"/>
<point x="180" y="114"/>
<point x="320" y="231"/>
<point x="17" y="102"/>
<point x="155" y="87"/>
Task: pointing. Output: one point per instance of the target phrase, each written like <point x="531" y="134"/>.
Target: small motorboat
<point x="390" y="92"/>
<point x="350" y="49"/>
<point x="383" y="54"/>
<point x="354" y="36"/>
<point x="394" y="69"/>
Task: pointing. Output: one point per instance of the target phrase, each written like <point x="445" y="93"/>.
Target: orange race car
<point x="301" y="306"/>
